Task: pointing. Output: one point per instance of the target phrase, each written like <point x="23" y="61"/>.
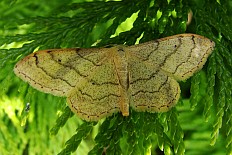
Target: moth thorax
<point x="122" y="68"/>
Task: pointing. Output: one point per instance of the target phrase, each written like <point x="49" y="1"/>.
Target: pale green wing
<point x="98" y="95"/>
<point x="57" y="71"/>
<point x="156" y="65"/>
<point x="179" y="56"/>
<point x="150" y="89"/>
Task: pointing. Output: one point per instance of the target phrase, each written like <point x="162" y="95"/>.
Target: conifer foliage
<point x="201" y="123"/>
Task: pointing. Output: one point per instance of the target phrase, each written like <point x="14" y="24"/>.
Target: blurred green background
<point x="30" y="120"/>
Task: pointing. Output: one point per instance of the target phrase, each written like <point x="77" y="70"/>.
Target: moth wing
<point x="150" y="88"/>
<point x="98" y="95"/>
<point x="179" y="56"/>
<point x="56" y="71"/>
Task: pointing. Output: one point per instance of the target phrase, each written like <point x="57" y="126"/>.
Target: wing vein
<point x="100" y="98"/>
<point x="189" y="56"/>
<point x="143" y="91"/>
<point x="53" y="77"/>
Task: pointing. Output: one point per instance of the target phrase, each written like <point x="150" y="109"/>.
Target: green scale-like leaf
<point x="33" y="25"/>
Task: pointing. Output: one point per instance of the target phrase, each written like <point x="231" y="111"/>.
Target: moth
<point x="101" y="81"/>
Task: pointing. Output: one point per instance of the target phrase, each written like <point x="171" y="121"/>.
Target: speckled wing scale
<point x="101" y="81"/>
